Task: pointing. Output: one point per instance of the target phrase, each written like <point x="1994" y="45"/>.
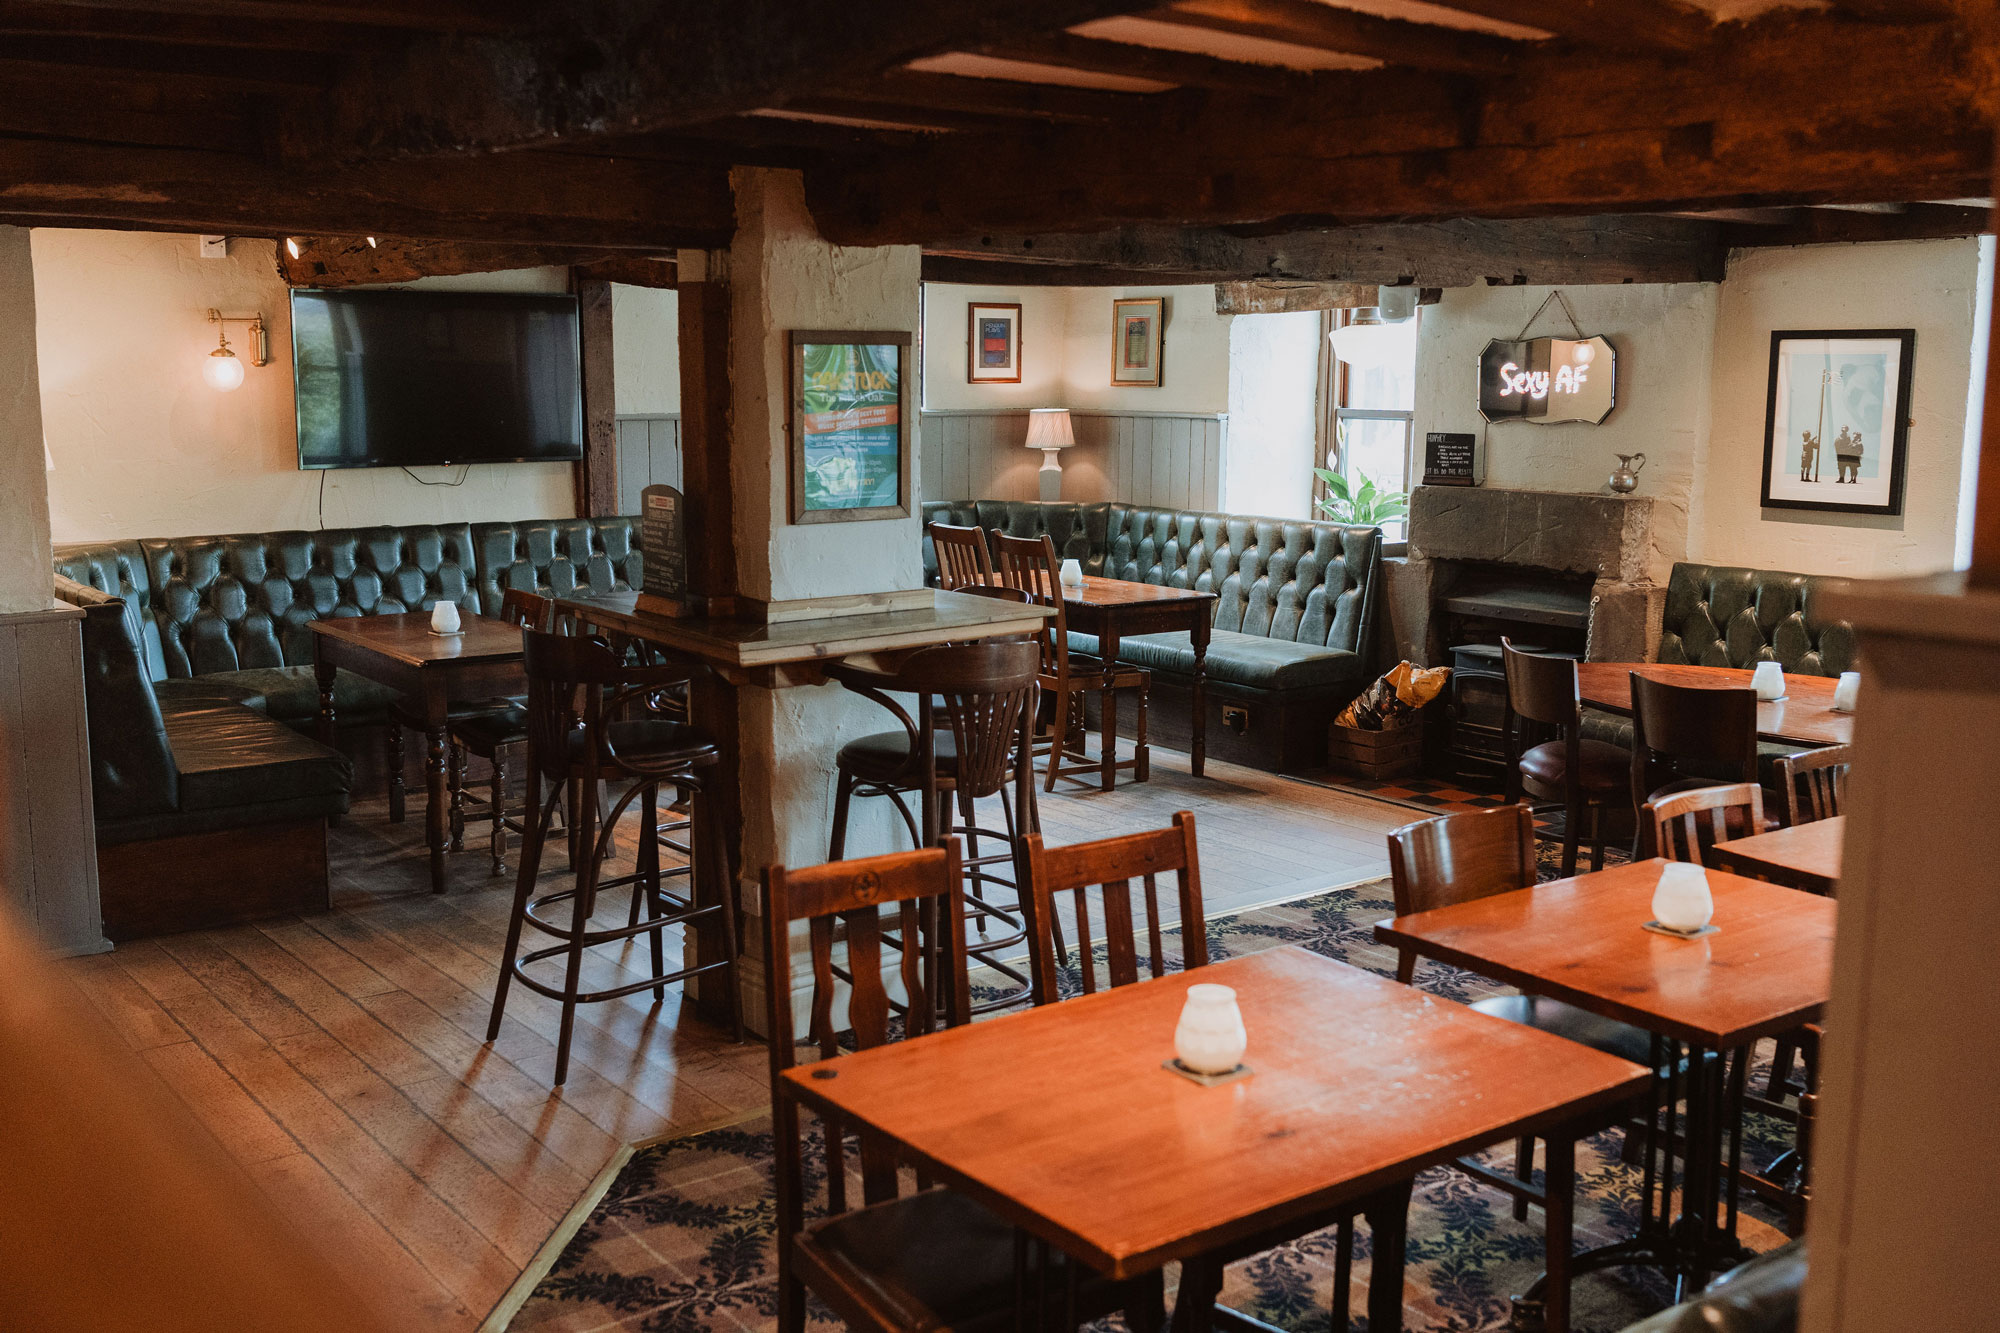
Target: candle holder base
<point x="1710" y="929"/>
<point x="1207" y="1080"/>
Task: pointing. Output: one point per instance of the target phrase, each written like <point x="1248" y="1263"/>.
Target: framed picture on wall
<point x="1136" y="343"/>
<point x="993" y="344"/>
<point x="849" y="426"/>
<point x="1836" y="420"/>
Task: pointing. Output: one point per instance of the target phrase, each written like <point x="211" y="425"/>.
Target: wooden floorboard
<point x="342" y="1057"/>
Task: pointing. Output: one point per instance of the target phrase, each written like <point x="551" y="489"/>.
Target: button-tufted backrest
<point x="132" y="769"/>
<point x="1078" y="530"/>
<point x="119" y="568"/>
<point x="1721" y="615"/>
<point x="557" y="557"/>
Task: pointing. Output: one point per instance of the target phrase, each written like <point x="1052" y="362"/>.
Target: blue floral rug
<point x="681" y="1242"/>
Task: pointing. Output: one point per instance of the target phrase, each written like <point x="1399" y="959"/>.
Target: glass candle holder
<point x="1072" y="573"/>
<point x="1846" y="690"/>
<point x="1768" y="679"/>
<point x="1682" y="900"/>
<point x="1210" y="1038"/>
<point x="444" y="617"/>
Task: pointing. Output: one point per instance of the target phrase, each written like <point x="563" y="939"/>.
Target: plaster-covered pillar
<point x="783" y="277"/>
<point x="24" y="482"/>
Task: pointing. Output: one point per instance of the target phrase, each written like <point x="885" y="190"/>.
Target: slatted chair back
<point x="962" y="557"/>
<point x="1709" y="732"/>
<point x="1459" y="859"/>
<point x="1029" y="564"/>
<point x="922" y="897"/>
<point x="1110" y="865"/>
<point x="1733" y="811"/>
<point x="1815" y="783"/>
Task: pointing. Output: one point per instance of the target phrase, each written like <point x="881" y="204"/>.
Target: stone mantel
<point x="1606" y="536"/>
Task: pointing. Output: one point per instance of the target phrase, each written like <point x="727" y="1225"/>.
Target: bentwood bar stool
<point x="971" y="738"/>
<point x="579" y="735"/>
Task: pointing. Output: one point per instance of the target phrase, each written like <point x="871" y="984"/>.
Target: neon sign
<point x="1547" y="380"/>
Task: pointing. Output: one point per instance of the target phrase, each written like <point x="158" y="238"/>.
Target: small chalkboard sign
<point x="1448" y="459"/>
<point x="663" y="542"/>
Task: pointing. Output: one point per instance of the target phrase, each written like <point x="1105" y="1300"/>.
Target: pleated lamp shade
<point x="1049" y="428"/>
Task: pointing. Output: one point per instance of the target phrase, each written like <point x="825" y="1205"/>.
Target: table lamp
<point x="1049" y="430"/>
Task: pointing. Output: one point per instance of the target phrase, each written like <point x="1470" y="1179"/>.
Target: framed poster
<point x="849" y="427"/>
<point x="1836" y="420"/>
<point x="993" y="344"/>
<point x="1136" y="343"/>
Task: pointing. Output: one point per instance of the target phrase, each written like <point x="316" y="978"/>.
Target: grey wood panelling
<point x="649" y="454"/>
<point x="48" y="848"/>
<point x="1158" y="459"/>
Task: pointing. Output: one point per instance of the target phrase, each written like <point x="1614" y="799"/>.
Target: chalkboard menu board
<point x="1448" y="459"/>
<point x="663" y="542"/>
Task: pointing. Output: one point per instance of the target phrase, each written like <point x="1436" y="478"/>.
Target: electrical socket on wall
<point x="215" y="247"/>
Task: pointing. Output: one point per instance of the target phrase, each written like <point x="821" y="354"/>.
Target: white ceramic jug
<point x="1210" y="1038"/>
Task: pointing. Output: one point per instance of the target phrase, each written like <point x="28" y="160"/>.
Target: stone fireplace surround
<point x="1607" y="537"/>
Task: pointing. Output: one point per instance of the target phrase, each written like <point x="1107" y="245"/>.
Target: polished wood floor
<point x="341" y="1057"/>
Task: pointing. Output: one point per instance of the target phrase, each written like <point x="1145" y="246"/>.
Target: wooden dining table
<point x="1766" y="969"/>
<point x="1064" y="1121"/>
<point x="481" y="661"/>
<point x="1112" y="609"/>
<point x="1804" y="856"/>
<point x="1805" y="716"/>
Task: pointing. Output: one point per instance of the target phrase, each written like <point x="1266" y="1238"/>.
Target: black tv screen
<point x="401" y="379"/>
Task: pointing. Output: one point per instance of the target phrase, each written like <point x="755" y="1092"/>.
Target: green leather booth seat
<point x="234" y="610"/>
<point x="1246" y="660"/>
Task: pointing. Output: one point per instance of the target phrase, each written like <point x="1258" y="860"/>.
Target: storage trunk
<point x="1394" y="753"/>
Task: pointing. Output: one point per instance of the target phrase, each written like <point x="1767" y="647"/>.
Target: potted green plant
<point x="1360" y="503"/>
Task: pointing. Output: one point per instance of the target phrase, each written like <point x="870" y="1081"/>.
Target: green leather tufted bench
<point x="1294" y="629"/>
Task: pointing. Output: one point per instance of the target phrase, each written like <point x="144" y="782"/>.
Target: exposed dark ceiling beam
<point x="1066" y="50"/>
<point x="631" y="66"/>
<point x="1828" y="226"/>
<point x="23" y="18"/>
<point x="213" y="67"/>
<point x="1615" y="25"/>
<point x="351" y="261"/>
<point x="1347" y="31"/>
<point x="998" y="97"/>
<point x="456" y="16"/>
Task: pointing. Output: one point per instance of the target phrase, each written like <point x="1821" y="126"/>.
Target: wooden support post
<point x="1985" y="568"/>
<point x="597" y="474"/>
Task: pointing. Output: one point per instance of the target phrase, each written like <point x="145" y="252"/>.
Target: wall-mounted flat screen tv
<point x="403" y="379"/>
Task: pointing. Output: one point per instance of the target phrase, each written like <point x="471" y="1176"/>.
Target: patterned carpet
<point x="681" y="1241"/>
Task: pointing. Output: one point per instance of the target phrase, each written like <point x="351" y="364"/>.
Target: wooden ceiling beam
<point x="25" y="18"/>
<point x="1828" y="226"/>
<point x="1614" y="25"/>
<point x="1568" y="132"/>
<point x="998" y="97"/>
<point x="352" y="261"/>
<point x="213" y="68"/>
<point x="1458" y="253"/>
<point x="1346" y="31"/>
<point x="547" y="199"/>
<point x="45" y="102"/>
<point x="443" y="16"/>
<point x="1067" y="50"/>
<point x="633" y="66"/>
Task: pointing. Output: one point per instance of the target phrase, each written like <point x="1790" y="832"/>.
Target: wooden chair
<point x="962" y="556"/>
<point x="1584" y="775"/>
<point x="1462" y="858"/>
<point x="1685" y="737"/>
<point x="1735" y="810"/>
<point x="932" y="1259"/>
<point x="1814" y="782"/>
<point x="1030" y="565"/>
<point x="1111" y="864"/>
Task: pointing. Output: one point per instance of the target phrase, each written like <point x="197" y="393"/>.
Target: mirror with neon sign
<point x="1548" y="380"/>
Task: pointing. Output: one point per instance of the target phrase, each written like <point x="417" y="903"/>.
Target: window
<point x="1371" y="409"/>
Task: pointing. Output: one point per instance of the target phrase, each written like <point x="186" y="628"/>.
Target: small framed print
<point x="1836" y="420"/>
<point x="1136" y="342"/>
<point x="993" y="344"/>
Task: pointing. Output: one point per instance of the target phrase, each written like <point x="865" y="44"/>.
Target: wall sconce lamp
<point x="222" y="369"/>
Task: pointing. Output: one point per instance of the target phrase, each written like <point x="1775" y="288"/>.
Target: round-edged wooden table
<point x="1805" y="716"/>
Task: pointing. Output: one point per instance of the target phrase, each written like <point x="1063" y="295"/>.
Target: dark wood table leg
<point x="1107" y="719"/>
<point x="713" y="706"/>
<point x="324" y="672"/>
<point x="437" y="801"/>
<point x="1198" y="634"/>
<point x="1388" y="1215"/>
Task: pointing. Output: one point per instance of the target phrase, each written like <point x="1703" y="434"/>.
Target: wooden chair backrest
<point x="1029" y="564"/>
<point x="1542" y="688"/>
<point x="579" y="684"/>
<point x="1711" y="727"/>
<point x="1820" y="778"/>
<point x="520" y="607"/>
<point x="963" y="560"/>
<point x="923" y="891"/>
<point x="1735" y="810"/>
<point x="1459" y="859"/>
<point x="1110" y="865"/>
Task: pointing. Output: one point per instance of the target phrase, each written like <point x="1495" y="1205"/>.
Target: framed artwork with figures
<point x="993" y="344"/>
<point x="1136" y="342"/>
<point x="1836" y="420"/>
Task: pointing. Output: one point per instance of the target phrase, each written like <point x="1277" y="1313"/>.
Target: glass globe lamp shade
<point x="222" y="370"/>
<point x="1371" y="342"/>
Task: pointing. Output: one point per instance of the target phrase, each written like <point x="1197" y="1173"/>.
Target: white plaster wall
<point x="783" y="277"/>
<point x="1044" y="346"/>
<point x="1664" y="336"/>
<point x="1926" y="285"/>
<point x="144" y="448"/>
<point x="645" y="350"/>
<point x="24" y="500"/>
<point x="1267" y="455"/>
